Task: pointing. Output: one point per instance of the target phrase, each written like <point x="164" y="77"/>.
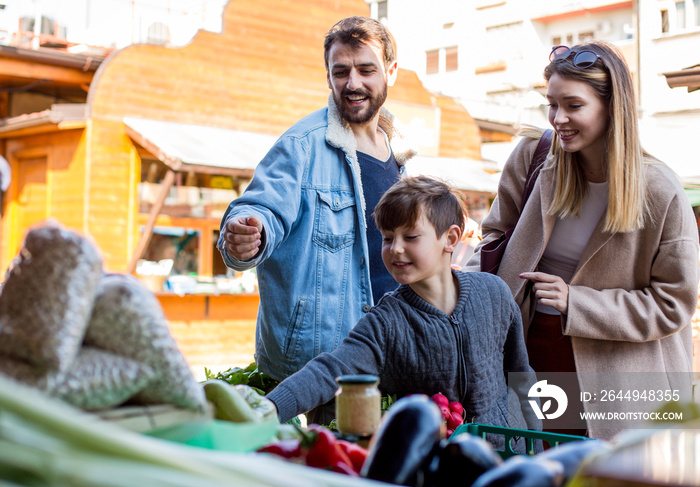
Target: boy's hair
<point x="354" y="31"/>
<point x="403" y="203"/>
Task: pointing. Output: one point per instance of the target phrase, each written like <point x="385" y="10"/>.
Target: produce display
<point x="127" y="319"/>
<point x="452" y="412"/>
<point x="92" y="342"/>
<point x="409" y="433"/>
<point x="47" y="298"/>
<point x="92" y="339"/>
<point x="237" y="403"/>
<point x="318" y="447"/>
<point x="45" y="442"/>
<point x="410" y="448"/>
<point x="250" y="376"/>
<point x="465" y="457"/>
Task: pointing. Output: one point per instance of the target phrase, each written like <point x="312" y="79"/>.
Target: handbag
<point x="492" y="252"/>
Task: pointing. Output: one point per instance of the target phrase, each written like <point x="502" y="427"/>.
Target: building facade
<point x="489" y="54"/>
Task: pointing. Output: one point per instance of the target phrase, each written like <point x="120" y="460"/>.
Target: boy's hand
<point x="549" y="290"/>
<point x="243" y="237"/>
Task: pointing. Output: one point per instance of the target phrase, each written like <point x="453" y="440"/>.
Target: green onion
<point x="45" y="442"/>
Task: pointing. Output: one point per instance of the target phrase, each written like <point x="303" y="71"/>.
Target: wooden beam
<point x="43" y="128"/>
<point x="218" y="170"/>
<point x="32" y="70"/>
<point x="165" y="186"/>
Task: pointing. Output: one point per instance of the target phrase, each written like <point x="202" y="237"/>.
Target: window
<point x="665" y="23"/>
<point x="680" y="14"/>
<point x="502" y="44"/>
<point x="383" y="9"/>
<point x="432" y="61"/>
<point x="451" y="59"/>
<point x="556" y="41"/>
<point x="585" y="36"/>
<point x="178" y="246"/>
<point x="569" y="39"/>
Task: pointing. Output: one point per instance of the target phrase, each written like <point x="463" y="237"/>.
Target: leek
<point x="46" y="442"/>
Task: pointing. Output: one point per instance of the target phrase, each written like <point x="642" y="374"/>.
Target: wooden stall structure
<point x="167" y="137"/>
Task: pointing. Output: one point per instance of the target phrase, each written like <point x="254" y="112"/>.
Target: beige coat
<point x="632" y="296"/>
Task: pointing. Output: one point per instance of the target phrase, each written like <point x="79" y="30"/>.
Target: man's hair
<point x="610" y="78"/>
<point x="403" y="203"/>
<point x="355" y="31"/>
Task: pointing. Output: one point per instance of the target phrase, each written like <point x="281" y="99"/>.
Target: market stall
<point x="167" y="137"/>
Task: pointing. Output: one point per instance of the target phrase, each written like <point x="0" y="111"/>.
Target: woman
<point x="604" y="259"/>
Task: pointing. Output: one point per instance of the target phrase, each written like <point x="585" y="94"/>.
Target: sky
<point x="117" y="23"/>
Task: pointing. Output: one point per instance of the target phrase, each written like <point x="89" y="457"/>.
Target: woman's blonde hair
<point x="610" y="79"/>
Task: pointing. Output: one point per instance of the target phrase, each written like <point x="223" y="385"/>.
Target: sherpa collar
<point x="340" y="135"/>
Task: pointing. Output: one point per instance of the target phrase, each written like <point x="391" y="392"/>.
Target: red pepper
<point x="325" y="452"/>
<point x="287" y="448"/>
<point x="355" y="453"/>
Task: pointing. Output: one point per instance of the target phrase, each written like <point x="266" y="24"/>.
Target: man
<point x="305" y="219"/>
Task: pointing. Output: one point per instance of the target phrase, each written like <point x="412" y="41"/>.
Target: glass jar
<point x="358" y="405"/>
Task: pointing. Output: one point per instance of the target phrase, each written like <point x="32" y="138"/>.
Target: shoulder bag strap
<point x="538" y="158"/>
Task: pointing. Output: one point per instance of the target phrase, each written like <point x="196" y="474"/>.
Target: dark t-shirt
<point x="377" y="177"/>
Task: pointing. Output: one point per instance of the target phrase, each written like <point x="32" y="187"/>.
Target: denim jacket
<point x="312" y="268"/>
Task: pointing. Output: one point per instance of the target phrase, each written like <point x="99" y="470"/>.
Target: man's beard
<point x="352" y="115"/>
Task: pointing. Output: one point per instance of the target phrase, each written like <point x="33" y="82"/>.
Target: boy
<point x="441" y="330"/>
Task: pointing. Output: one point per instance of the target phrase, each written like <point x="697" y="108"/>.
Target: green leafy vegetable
<point x="250" y="376"/>
<point x="387" y="401"/>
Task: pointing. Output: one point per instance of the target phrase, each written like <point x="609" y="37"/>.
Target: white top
<point x="570" y="236"/>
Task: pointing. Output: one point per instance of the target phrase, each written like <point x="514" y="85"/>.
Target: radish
<point x="446" y="413"/>
<point x="456" y="407"/>
<point x="454" y="421"/>
<point x="440" y="399"/>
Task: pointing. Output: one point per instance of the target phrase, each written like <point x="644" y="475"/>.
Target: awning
<point x="212" y="149"/>
<point x="465" y="174"/>
<point x="200" y="148"/>
<point x="685" y="78"/>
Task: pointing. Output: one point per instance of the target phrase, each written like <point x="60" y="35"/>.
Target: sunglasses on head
<point x="581" y="59"/>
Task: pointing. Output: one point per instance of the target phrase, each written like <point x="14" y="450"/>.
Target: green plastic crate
<point x="220" y="435"/>
<point x="552" y="439"/>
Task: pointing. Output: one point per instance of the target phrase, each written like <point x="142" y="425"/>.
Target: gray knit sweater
<point x="414" y="347"/>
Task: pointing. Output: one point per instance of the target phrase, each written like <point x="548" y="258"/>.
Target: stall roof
<point x="199" y="147"/>
<point x="465" y="174"/>
<point x="60" y="115"/>
<point x="213" y="149"/>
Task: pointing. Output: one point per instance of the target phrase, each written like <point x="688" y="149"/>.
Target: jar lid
<point x="357" y="379"/>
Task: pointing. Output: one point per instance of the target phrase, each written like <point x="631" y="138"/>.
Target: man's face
<point x="358" y="79"/>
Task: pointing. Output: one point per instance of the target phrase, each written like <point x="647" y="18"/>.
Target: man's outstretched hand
<point x="243" y="236"/>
